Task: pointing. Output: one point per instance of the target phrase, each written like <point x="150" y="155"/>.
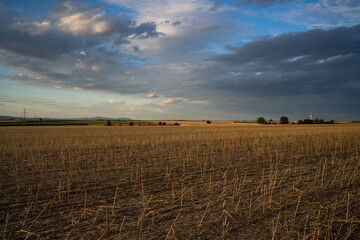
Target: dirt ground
<point x="231" y="181"/>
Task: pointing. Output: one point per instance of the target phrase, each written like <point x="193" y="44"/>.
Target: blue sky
<point x="168" y="59"/>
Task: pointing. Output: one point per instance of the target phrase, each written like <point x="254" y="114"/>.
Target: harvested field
<point x="187" y="182"/>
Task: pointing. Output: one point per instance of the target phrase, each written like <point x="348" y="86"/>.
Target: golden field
<point x="189" y="182"/>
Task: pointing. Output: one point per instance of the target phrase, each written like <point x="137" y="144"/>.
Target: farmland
<point x="187" y="182"/>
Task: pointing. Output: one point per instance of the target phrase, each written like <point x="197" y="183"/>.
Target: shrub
<point x="160" y="123"/>
<point x="300" y="122"/>
<point x="164" y="123"/>
<point x="208" y="122"/>
<point x="108" y="123"/>
<point x="308" y="121"/>
<point x="284" y="120"/>
<point x="261" y="120"/>
<point x="177" y="124"/>
<point x="131" y="123"/>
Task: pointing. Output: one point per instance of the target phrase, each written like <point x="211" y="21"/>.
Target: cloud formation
<point x="80" y="28"/>
<point x="203" y="58"/>
<point x="68" y="51"/>
<point x="292" y="67"/>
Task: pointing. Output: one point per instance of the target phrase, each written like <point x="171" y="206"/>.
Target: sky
<point x="189" y="59"/>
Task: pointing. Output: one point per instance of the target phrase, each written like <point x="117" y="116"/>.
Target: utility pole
<point x="24" y="115"/>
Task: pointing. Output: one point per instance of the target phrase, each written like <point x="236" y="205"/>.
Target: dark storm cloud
<point x="100" y="69"/>
<point x="289" y="68"/>
<point x="46" y="46"/>
<point x="69" y="51"/>
<point x="48" y="41"/>
<point x="315" y="44"/>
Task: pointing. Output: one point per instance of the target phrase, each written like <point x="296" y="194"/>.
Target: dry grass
<point x="222" y="182"/>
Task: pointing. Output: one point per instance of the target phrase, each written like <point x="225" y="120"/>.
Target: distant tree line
<point x="315" y="121"/>
<point x="285" y="120"/>
<point x="262" y="120"/>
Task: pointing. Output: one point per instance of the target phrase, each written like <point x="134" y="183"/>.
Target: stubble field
<point x="187" y="182"/>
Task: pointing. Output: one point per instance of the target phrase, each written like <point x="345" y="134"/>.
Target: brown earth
<point x="188" y="182"/>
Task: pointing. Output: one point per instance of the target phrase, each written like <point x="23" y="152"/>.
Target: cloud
<point x="217" y="5"/>
<point x="101" y="69"/>
<point x="189" y="28"/>
<point x="85" y="24"/>
<point x="262" y="3"/>
<point x="111" y="101"/>
<point x="150" y="95"/>
<point x="33" y="28"/>
<point x="205" y="27"/>
<point x="80" y="48"/>
<point x="318" y="68"/>
<point x="80" y="28"/>
<point x="321" y="14"/>
<point x="171" y="100"/>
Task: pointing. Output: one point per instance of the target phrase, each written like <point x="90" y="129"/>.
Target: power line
<point x="24" y="115"/>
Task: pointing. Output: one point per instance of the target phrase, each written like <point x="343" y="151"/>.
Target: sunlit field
<point x="180" y="182"/>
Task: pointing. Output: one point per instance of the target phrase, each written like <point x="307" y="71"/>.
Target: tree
<point x="131" y="123"/>
<point x="261" y="120"/>
<point x="308" y="121"/>
<point x="160" y="123"/>
<point x="300" y="122"/>
<point x="284" y="120"/>
<point x="208" y="122"/>
<point x="108" y="123"/>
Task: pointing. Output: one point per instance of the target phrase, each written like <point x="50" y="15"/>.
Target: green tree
<point x="284" y="120"/>
<point x="160" y="123"/>
<point x="261" y="120"/>
<point x="108" y="123"/>
<point x="131" y="123"/>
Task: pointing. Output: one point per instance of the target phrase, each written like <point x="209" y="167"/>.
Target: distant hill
<point x="84" y="118"/>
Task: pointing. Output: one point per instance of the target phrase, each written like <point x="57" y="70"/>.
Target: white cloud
<point x="188" y="27"/>
<point x="34" y="28"/>
<point x="171" y="100"/>
<point x="95" y="68"/>
<point x="150" y="95"/>
<point x="85" y="24"/>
